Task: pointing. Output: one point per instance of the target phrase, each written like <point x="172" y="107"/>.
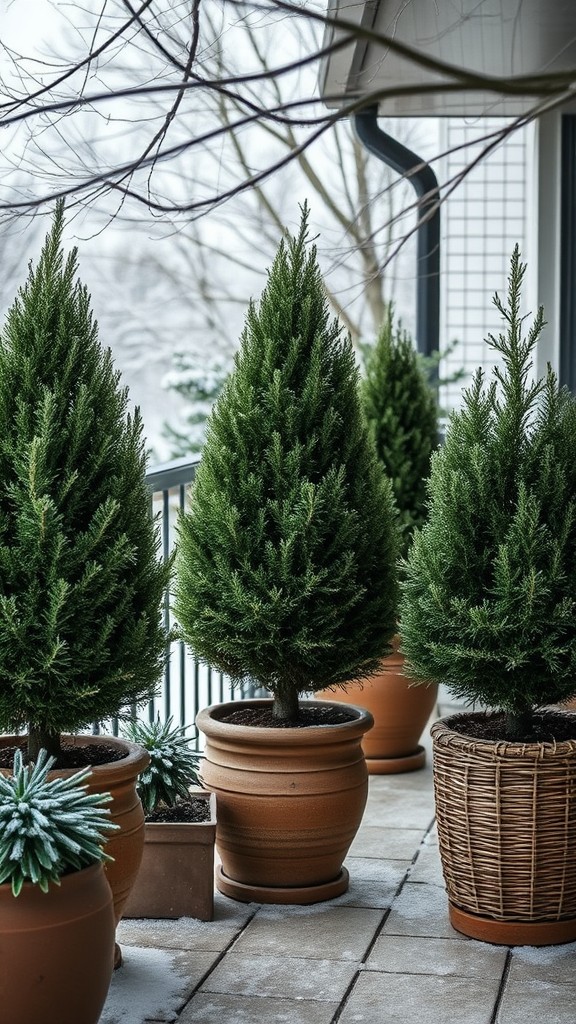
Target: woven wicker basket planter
<point x="507" y="833"/>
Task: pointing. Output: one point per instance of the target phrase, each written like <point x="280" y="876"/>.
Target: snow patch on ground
<point x="148" y="985"/>
<point x="544" y="955"/>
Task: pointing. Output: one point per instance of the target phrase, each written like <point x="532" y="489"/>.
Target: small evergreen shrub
<point x="48" y="828"/>
<point x="488" y="603"/>
<point x="81" y="583"/>
<point x="402" y="414"/>
<point x="286" y="566"/>
<point x="173" y="765"/>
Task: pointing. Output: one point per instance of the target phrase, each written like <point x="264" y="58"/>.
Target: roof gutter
<point x="424" y="181"/>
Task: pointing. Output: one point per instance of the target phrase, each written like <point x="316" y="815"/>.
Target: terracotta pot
<point x="506" y="817"/>
<point x="176" y="877"/>
<point x="57" y="950"/>
<point x="118" y="778"/>
<point x="289" y="804"/>
<point x="400" y="710"/>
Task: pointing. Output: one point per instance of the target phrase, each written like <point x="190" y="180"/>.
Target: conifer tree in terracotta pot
<point x="56" y="912"/>
<point x="81" y="580"/>
<point x="286" y="574"/>
<point x="488" y="608"/>
<point x="401" y="409"/>
<point x="176" y="876"/>
<point x="402" y="412"/>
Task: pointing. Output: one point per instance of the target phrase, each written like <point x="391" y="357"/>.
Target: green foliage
<point x="488" y="602"/>
<point x="81" y="583"/>
<point x="401" y="410"/>
<point x="286" y="566"/>
<point x="48" y="828"/>
<point x="173" y="766"/>
<point x="431" y="366"/>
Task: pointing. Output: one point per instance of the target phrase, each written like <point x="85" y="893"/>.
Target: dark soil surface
<point x="195" y="809"/>
<point x="548" y="727"/>
<point x="309" y="716"/>
<point x="73" y="756"/>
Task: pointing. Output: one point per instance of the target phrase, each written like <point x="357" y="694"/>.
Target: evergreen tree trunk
<point x="46" y="739"/>
<point x="285" y="704"/>
<point x="519" y="725"/>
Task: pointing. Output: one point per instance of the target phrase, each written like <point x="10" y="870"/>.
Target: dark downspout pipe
<point x="425" y="184"/>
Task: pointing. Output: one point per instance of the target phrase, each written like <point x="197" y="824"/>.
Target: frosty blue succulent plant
<point x="48" y="827"/>
<point x="173" y="765"/>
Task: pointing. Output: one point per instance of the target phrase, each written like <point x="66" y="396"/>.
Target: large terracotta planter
<point x="400" y="710"/>
<point x="506" y="817"/>
<point x="289" y="804"/>
<point x="56" y="950"/>
<point x="118" y="778"/>
<point x="176" y="877"/>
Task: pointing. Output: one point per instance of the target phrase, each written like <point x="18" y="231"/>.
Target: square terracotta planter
<point x="176" y="876"/>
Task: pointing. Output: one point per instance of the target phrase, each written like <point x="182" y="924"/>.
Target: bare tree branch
<point x="157" y="30"/>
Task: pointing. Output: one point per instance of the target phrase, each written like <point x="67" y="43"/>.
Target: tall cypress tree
<point x="402" y="414"/>
<point x="488" y="602"/>
<point x="81" y="584"/>
<point x="286" y="566"/>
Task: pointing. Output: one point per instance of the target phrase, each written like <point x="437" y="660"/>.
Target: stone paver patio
<point x="383" y="953"/>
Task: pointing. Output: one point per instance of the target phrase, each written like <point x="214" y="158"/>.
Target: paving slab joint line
<point x="501" y="988"/>
<point x="345" y="997"/>
<point x="401" y="885"/>
<point x="422" y="842"/>
<point x="378" y="932"/>
<point x="216" y="963"/>
<point x="421" y="845"/>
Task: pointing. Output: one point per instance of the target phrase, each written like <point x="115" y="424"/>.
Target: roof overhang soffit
<point x="467" y="47"/>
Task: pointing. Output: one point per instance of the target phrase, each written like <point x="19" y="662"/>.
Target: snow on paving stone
<point x="544" y="956"/>
<point x="151" y="984"/>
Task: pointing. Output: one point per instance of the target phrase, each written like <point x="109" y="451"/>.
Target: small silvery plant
<point x="173" y="766"/>
<point x="48" y="827"/>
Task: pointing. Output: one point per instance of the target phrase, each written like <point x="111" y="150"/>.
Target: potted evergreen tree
<point x="176" y="876"/>
<point x="401" y="409"/>
<point x="402" y="412"/>
<point x="56" y="912"/>
<point x="81" y="581"/>
<point x="286" y="575"/>
<point x="488" y="608"/>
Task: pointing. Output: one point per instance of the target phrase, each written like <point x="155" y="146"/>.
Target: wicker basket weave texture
<point x="506" y="817"/>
